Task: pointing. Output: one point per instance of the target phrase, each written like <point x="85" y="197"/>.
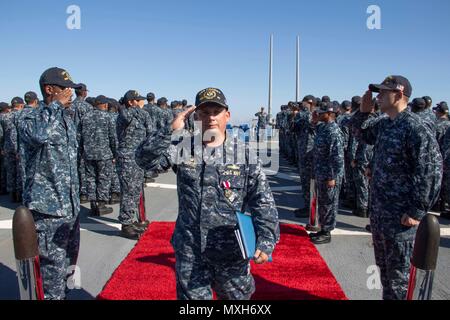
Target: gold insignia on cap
<point x="66" y="75"/>
<point x="209" y="94"/>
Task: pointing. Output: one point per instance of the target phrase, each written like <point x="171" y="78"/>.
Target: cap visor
<point x="212" y="102"/>
<point x="378" y="87"/>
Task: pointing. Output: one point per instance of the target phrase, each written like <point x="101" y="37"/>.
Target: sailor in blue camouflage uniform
<point x="445" y="213"/>
<point x="80" y="107"/>
<point x="51" y="180"/>
<point x="343" y="121"/>
<point x="305" y="131"/>
<point x="442" y="126"/>
<point x="133" y="126"/>
<point x="4" y="110"/>
<point x="11" y="149"/>
<point x="214" y="182"/>
<point x="155" y="114"/>
<point x="98" y="140"/>
<point x="419" y="107"/>
<point x="113" y="110"/>
<point x="328" y="169"/>
<point x="32" y="103"/>
<point x="406" y="178"/>
<point x="261" y="125"/>
<point x="361" y="162"/>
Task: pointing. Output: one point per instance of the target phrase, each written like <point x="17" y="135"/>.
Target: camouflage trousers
<point x="196" y="277"/>
<point x="59" y="243"/>
<point x="3" y="174"/>
<point x="305" y="171"/>
<point x="131" y="178"/>
<point x="328" y="201"/>
<point x="115" y="182"/>
<point x="348" y="182"/>
<point x="361" y="187"/>
<point x="82" y="175"/>
<point x="13" y="173"/>
<point x="98" y="179"/>
<point x="392" y="256"/>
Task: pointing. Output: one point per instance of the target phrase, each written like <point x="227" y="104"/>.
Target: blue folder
<point x="246" y="236"/>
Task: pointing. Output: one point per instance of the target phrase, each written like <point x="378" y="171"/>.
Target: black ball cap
<point x="326" y="99"/>
<point x="442" y="107"/>
<point x="428" y="100"/>
<point x="150" y="96"/>
<point x="393" y="83"/>
<point x="30" y="96"/>
<point x="162" y="100"/>
<point x="347" y="105"/>
<point x="133" y="95"/>
<point x="58" y="77"/>
<point x="419" y="103"/>
<point x="83" y="87"/>
<point x="17" y="100"/>
<point x="325" y="107"/>
<point x="211" y="96"/>
<point x="3" y="106"/>
<point x="309" y="98"/>
<point x="101" y="100"/>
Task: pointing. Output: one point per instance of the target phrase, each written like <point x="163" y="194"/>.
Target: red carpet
<point x="297" y="272"/>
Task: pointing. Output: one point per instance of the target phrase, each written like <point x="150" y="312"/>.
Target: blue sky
<point x="176" y="48"/>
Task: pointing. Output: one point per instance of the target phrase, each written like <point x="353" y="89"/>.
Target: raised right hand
<point x="366" y="103"/>
<point x="178" y="122"/>
<point x="64" y="97"/>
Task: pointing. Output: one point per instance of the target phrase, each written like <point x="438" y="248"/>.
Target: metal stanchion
<point x="27" y="255"/>
<point x="424" y="259"/>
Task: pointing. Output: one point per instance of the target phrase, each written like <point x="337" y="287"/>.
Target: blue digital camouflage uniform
<point x="133" y="126"/>
<point x="328" y="165"/>
<point x="306" y="134"/>
<point x="343" y="122"/>
<point x="161" y="118"/>
<point x="21" y="150"/>
<point x="442" y="126"/>
<point x="363" y="157"/>
<point x="429" y="118"/>
<point x="99" y="145"/>
<point x="115" y="182"/>
<point x="406" y="178"/>
<point x="446" y="160"/>
<point x="10" y="147"/>
<point x="211" y="187"/>
<point x="2" y="156"/>
<point x="52" y="191"/>
<point x="80" y="107"/>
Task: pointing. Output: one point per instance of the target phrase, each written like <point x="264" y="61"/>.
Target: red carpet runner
<point x="297" y="272"/>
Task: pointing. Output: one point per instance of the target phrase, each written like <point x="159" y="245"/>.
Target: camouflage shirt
<point x="328" y="152"/>
<point x="133" y="126"/>
<point x="98" y="135"/>
<point x="306" y="132"/>
<point x="50" y="144"/>
<point x="442" y="126"/>
<point x="212" y="185"/>
<point x="407" y="166"/>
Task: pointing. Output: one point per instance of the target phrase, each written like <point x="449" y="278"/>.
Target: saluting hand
<point x="366" y="103"/>
<point x="64" y="97"/>
<point x="178" y="122"/>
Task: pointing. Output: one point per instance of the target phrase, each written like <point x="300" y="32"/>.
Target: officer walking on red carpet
<point x="214" y="181"/>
